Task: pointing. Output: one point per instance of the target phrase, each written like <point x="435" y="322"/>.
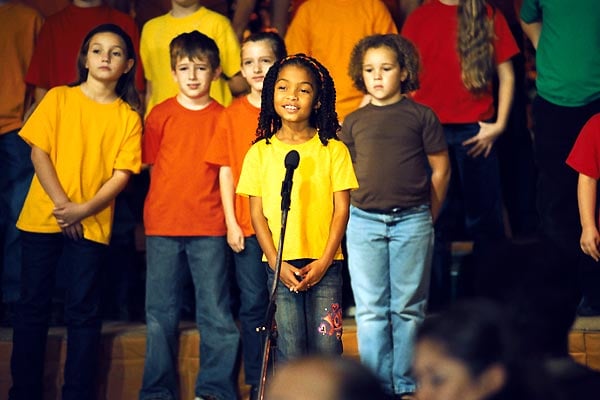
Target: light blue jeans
<point x="389" y="258"/>
<point x="309" y="322"/>
<point x="219" y="336"/>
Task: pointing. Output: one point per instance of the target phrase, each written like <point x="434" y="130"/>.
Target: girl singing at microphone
<point x="298" y="113"/>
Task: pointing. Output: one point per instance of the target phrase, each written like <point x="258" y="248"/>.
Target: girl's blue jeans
<point x="309" y="322"/>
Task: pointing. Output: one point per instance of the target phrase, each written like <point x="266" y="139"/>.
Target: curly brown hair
<point x="406" y="54"/>
<point x="475" y="45"/>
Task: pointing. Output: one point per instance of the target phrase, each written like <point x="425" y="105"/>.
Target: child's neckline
<point x="95" y="97"/>
<point x="293" y="138"/>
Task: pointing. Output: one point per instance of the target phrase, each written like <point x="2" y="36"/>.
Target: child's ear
<point x="130" y="64"/>
<point x="403" y="74"/>
<point x="217" y="73"/>
<point x="317" y="105"/>
<point x="492" y="380"/>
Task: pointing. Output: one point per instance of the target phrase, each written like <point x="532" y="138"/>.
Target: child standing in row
<point x="185" y="228"/>
<point x="85" y="143"/>
<point x="585" y="159"/>
<point x="400" y="158"/>
<point x="187" y="16"/>
<point x="236" y="130"/>
<point x="298" y="113"/>
<point x="463" y="45"/>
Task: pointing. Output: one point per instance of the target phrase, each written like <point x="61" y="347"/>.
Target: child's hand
<point x="74" y="231"/>
<point x="290" y="276"/>
<point x="68" y="214"/>
<point x="235" y="237"/>
<point x="484" y="140"/>
<point x="590" y="241"/>
<point x="312" y="274"/>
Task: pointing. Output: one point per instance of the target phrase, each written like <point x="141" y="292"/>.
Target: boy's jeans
<point x="219" y="336"/>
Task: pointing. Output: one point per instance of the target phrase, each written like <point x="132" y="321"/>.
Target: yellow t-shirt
<point x="154" y="50"/>
<point x="322" y="171"/>
<point x="86" y="142"/>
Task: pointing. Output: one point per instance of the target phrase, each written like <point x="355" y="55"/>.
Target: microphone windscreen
<point x="292" y="159"/>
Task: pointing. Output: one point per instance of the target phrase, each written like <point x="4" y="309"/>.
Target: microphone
<point x="292" y="159"/>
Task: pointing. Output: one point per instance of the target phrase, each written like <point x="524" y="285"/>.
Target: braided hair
<point x="323" y="118"/>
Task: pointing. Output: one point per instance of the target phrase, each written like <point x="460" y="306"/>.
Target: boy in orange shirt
<point x="185" y="227"/>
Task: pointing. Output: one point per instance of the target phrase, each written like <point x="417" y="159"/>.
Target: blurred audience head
<point x="464" y="353"/>
<point x="324" y="378"/>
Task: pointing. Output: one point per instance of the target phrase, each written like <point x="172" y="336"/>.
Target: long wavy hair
<point x="475" y="44"/>
<point x="324" y="118"/>
<point x="125" y="88"/>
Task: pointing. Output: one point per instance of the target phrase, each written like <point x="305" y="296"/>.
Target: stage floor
<point x="123" y="347"/>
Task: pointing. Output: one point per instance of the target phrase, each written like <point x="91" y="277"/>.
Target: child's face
<point x="383" y="76"/>
<point x="257" y="58"/>
<point x="295" y="94"/>
<point x="106" y="59"/>
<point x="194" y="77"/>
<point x="441" y="377"/>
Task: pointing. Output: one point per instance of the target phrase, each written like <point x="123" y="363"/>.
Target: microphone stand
<point x="268" y="329"/>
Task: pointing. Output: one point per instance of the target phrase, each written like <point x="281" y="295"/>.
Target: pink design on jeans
<point x="331" y="324"/>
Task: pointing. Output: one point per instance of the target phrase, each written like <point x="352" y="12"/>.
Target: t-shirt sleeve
<point x="346" y="136"/>
<point x="145" y="51"/>
<point x="153" y="131"/>
<point x="297" y="36"/>
<point x="249" y="184"/>
<point x="130" y="154"/>
<point x="531" y="11"/>
<point x="343" y="177"/>
<point x="383" y="22"/>
<point x="585" y="155"/>
<point x="410" y="26"/>
<point x="229" y="49"/>
<point x="434" y="140"/>
<point x="36" y="73"/>
<point x="41" y="125"/>
<point x="217" y="152"/>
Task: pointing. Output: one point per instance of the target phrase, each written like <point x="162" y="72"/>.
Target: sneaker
<point x="205" y="397"/>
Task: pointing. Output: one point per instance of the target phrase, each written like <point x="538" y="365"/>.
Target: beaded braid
<point x="324" y="118"/>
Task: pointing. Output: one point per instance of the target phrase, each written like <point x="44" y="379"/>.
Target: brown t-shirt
<point x="389" y="147"/>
